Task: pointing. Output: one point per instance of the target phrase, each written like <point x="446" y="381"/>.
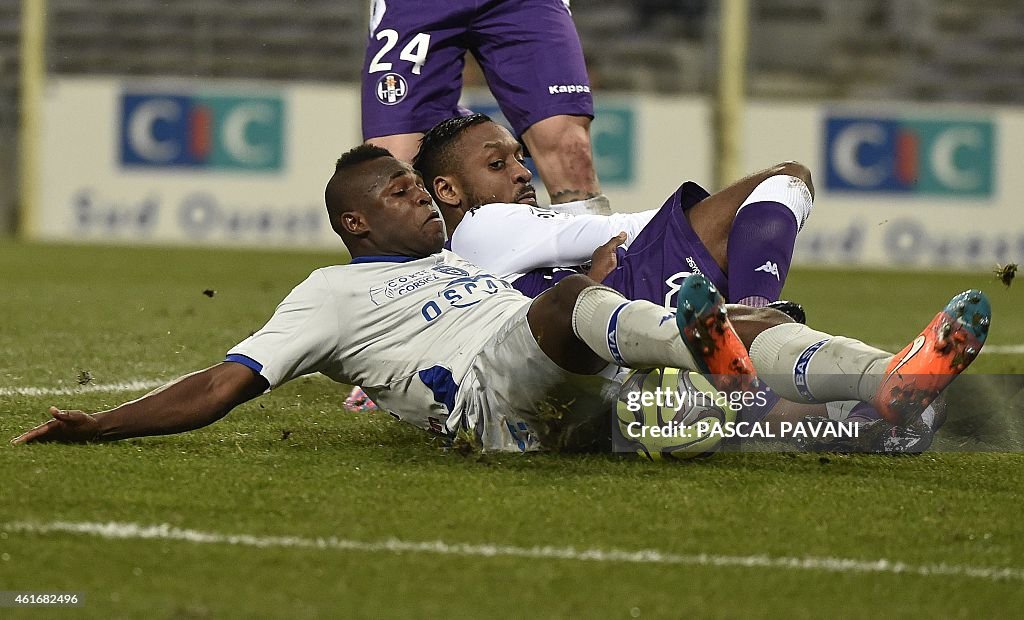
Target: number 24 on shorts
<point x="415" y="51"/>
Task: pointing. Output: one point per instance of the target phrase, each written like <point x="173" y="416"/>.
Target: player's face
<point x="492" y="168"/>
<point x="404" y="220"/>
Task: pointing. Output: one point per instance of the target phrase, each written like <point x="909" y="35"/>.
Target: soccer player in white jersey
<point x="446" y="346"/>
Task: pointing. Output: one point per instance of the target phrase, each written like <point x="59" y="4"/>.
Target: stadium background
<point x="907" y="112"/>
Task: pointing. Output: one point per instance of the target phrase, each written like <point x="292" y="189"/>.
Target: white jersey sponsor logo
<point x="396" y="287"/>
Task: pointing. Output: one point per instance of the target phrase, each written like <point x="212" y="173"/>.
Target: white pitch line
<point x="149" y="384"/>
<point x="71" y="390"/>
<point x="128" y="531"/>
<point x="134" y="385"/>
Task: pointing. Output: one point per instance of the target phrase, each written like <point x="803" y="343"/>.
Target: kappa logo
<point x="391" y="89"/>
<point x="555" y="89"/>
<point x="770" y="267"/>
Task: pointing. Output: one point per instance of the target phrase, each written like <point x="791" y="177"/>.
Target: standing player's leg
<point x="548" y="104"/>
<point x="403" y="145"/>
<point x="561" y="149"/>
<point x="412" y="72"/>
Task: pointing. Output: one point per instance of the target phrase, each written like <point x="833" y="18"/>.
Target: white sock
<point x="595" y="205"/>
<point x="638" y="334"/>
<point x="789" y="191"/>
<point x="812" y="366"/>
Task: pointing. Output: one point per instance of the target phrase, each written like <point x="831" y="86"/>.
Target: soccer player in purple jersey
<point x="412" y="79"/>
<point x="741" y="238"/>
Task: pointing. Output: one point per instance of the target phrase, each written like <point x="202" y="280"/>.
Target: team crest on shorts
<point x="391" y="89"/>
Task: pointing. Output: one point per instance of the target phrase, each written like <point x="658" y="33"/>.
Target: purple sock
<point x="760" y="250"/>
<point x="863" y="412"/>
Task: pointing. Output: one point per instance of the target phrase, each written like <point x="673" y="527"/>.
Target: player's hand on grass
<point x="605" y="260"/>
<point x="65" y="427"/>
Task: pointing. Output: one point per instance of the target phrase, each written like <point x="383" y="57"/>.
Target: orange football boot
<point x="918" y="373"/>
<point x="705" y="329"/>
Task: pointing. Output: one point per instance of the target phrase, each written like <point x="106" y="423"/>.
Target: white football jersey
<point x="404" y="329"/>
<point x="512" y="239"/>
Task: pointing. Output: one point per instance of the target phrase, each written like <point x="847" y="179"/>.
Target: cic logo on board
<point x="222" y="132"/>
<point x="935" y="157"/>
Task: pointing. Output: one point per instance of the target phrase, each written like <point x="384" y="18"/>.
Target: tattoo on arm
<point x="568" y="195"/>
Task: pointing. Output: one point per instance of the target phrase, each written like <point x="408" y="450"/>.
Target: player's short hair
<point x="337" y="191"/>
<point x="436" y="156"/>
<point x="361" y="153"/>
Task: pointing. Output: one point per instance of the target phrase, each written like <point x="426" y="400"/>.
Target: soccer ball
<point x="668" y="414"/>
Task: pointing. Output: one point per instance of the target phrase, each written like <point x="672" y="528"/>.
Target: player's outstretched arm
<point x="191" y="402"/>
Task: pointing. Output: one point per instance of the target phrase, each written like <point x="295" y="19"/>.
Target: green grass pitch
<point x="292" y="467"/>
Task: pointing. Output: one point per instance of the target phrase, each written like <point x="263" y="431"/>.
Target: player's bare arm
<point x="605" y="260"/>
<point x="193" y="401"/>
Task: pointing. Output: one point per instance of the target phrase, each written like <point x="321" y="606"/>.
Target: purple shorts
<point x="665" y="252"/>
<point x="657" y="261"/>
<point x="528" y="49"/>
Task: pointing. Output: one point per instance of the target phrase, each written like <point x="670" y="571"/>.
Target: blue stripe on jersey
<point x="439" y="380"/>
<point x="246" y="361"/>
<point x="383" y="259"/>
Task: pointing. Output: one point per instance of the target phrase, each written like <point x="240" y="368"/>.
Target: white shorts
<point x="515" y="399"/>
